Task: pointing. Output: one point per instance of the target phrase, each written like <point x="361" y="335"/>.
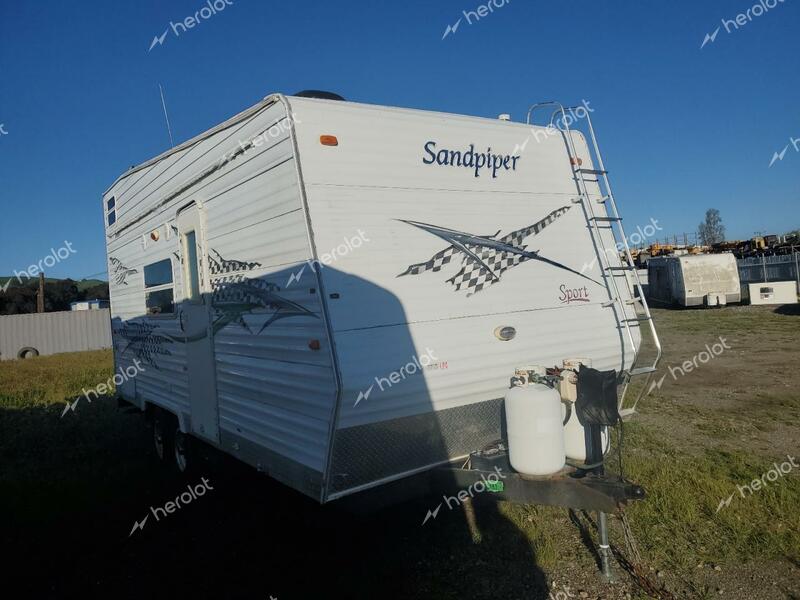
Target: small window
<point x="159" y="297"/>
<point x="767" y="290"/>
<point x="111" y="213"/>
<point x="159" y="273"/>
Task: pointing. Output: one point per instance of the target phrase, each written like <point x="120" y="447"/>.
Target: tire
<point x="163" y="435"/>
<point x="183" y="452"/>
<point x="27" y="352"/>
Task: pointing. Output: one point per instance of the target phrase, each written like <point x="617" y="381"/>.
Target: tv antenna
<point x="166" y="117"/>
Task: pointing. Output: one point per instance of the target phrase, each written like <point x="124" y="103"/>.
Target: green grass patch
<point x="679" y="525"/>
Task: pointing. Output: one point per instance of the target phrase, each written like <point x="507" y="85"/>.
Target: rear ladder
<point x="616" y="301"/>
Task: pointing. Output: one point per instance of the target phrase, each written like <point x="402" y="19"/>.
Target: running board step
<point x="591" y="172"/>
<point x="621" y="268"/>
<point x="605" y="219"/>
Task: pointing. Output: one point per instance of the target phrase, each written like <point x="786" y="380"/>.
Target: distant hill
<point x="20" y="298"/>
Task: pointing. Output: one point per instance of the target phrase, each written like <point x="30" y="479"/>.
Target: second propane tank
<point x="535" y="426"/>
<point x="574" y="433"/>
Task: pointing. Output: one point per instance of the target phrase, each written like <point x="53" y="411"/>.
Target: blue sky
<point x="682" y="128"/>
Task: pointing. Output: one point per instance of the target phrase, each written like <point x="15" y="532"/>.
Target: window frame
<point x="111" y="211"/>
<point x="186" y="278"/>
<point x="159" y="288"/>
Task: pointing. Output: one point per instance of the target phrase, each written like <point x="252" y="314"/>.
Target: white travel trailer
<point x="338" y="293"/>
<point x="696" y="280"/>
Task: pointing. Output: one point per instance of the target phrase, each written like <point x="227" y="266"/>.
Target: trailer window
<point x="159" y="296"/>
<point x="160" y="302"/>
<point x="159" y="273"/>
<point x="111" y="213"/>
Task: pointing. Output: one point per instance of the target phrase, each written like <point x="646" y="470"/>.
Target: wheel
<point x="182" y="451"/>
<point x="27" y="353"/>
<point x="163" y="434"/>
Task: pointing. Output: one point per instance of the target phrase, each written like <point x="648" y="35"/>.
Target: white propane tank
<point x="574" y="433"/>
<point x="535" y="429"/>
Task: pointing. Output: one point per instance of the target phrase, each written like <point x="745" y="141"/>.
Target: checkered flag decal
<point x="228" y="275"/>
<point x="221" y="266"/>
<point x="436" y="263"/>
<point x="143" y="341"/>
<point x="474" y="275"/>
<point x="238" y="289"/>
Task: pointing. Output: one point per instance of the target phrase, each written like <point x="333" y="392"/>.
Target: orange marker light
<point x="328" y="140"/>
<point x="314" y="344"/>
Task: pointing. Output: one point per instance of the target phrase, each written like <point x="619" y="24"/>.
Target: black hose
<point x="569" y="411"/>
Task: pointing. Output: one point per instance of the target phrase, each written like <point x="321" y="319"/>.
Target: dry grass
<point x="46" y="380"/>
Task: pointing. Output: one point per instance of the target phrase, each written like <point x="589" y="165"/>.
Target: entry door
<point x="195" y="320"/>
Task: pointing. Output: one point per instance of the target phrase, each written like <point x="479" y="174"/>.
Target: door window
<point x="191" y="266"/>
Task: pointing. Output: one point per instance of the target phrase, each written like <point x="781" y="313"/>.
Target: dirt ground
<point x="72" y="487"/>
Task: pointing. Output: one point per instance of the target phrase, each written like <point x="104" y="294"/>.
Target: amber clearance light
<point x="328" y="140"/>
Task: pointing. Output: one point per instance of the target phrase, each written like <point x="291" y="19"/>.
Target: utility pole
<point x="40" y="295"/>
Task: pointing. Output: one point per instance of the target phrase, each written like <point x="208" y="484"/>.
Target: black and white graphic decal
<point x="233" y="296"/>
<point x="119" y="272"/>
<point x="485" y="258"/>
<point x="143" y="341"/>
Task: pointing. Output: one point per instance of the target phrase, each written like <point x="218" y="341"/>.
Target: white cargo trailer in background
<point x="772" y="292"/>
<point x="694" y="280"/>
<point x="338" y="293"/>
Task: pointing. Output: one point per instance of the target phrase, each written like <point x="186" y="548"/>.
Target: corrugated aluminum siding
<point x="52" y="333"/>
<point x="375" y="178"/>
<point x="274" y="392"/>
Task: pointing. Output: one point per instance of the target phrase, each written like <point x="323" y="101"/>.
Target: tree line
<point x="21" y="298"/>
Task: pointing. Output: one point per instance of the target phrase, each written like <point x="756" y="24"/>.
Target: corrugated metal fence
<point x="51" y="333"/>
<point x="769" y="268"/>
